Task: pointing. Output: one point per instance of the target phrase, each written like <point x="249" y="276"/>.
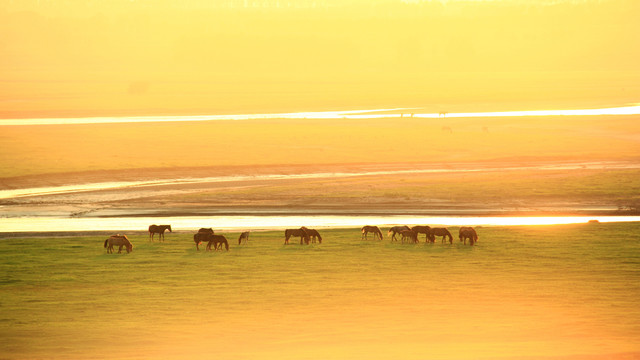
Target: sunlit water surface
<point x="66" y="189"/>
<point x="231" y="223"/>
<point x="350" y="114"/>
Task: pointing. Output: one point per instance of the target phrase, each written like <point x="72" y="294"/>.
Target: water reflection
<point x="350" y="114"/>
<point x="66" y="189"/>
<point x="230" y="223"/>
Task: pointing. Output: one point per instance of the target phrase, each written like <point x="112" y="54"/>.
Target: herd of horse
<point x="412" y="234"/>
<point x="307" y="236"/>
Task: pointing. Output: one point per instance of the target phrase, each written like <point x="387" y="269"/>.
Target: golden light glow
<point x="162" y="57"/>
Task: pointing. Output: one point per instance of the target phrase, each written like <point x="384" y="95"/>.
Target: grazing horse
<point x="201" y="236"/>
<point x="374" y="229"/>
<point x="119" y="240"/>
<point x="244" y="236"/>
<point x="217" y="241"/>
<point x="420" y="229"/>
<point x="441" y="232"/>
<point x="158" y="229"/>
<point x="396" y="230"/>
<point x="409" y="235"/>
<point x="296" y="232"/>
<point x="467" y="232"/>
<point x="313" y="234"/>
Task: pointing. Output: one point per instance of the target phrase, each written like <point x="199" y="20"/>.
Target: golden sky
<point x="91" y="57"/>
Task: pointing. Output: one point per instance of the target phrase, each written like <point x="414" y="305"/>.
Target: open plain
<point x="543" y="292"/>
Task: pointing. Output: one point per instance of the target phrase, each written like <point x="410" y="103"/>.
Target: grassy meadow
<point x="557" y="292"/>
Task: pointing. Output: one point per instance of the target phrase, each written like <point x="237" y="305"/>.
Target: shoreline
<point x="188" y="225"/>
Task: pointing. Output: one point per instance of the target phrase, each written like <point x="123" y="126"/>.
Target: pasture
<point x="562" y="292"/>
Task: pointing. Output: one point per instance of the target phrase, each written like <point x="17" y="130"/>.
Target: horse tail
<point x="105" y="242"/>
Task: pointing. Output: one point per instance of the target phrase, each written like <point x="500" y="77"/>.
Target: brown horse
<point x="396" y="230"/>
<point x="158" y="229"/>
<point x="313" y="235"/>
<point x="441" y="232"/>
<point x="201" y="236"/>
<point x="467" y="232"/>
<point x="244" y="236"/>
<point x="119" y="240"/>
<point x="217" y="241"/>
<point x="410" y="236"/>
<point x="373" y="229"/>
<point x="420" y="229"/>
<point x="296" y="232"/>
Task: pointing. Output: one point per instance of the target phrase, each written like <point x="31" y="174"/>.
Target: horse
<point x="201" y="236"/>
<point x="158" y="229"/>
<point x="441" y="232"/>
<point x="296" y="232"/>
<point x="313" y="234"/>
<point x="120" y="240"/>
<point x="396" y="230"/>
<point x="217" y="241"/>
<point x="467" y="232"/>
<point x="244" y="236"/>
<point x="423" y="229"/>
<point x="374" y="229"/>
<point x="410" y="235"/>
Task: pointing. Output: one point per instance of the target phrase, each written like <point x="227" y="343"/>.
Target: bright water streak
<point x="234" y="223"/>
<point x="66" y="189"/>
<point x="351" y="114"/>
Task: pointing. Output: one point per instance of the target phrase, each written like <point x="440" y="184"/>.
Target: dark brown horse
<point x="313" y="235"/>
<point x="423" y="229"/>
<point x="217" y="241"/>
<point x="120" y="241"/>
<point x="296" y="232"/>
<point x="410" y="236"/>
<point x="371" y="229"/>
<point x="201" y="236"/>
<point x="441" y="232"/>
<point x="244" y="236"/>
<point x="396" y="230"/>
<point x="158" y="229"/>
<point x="467" y="232"/>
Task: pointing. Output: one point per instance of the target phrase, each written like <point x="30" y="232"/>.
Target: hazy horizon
<point x="92" y="58"/>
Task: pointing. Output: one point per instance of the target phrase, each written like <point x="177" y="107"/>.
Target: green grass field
<point x="538" y="291"/>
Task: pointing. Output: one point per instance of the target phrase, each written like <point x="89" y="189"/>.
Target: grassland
<point x="556" y="292"/>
